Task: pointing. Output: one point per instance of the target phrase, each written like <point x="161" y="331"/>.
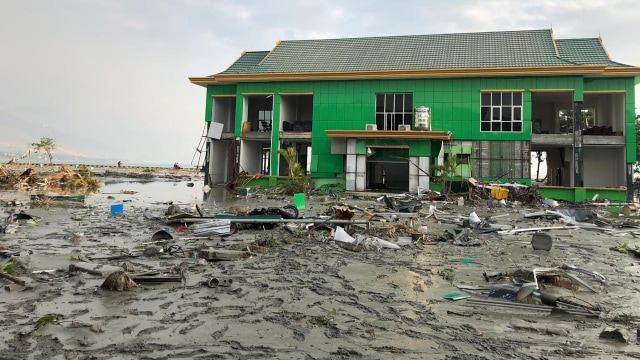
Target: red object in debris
<point x="433" y="220"/>
<point x="180" y="229"/>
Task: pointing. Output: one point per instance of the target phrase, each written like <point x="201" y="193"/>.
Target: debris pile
<point x="62" y="179"/>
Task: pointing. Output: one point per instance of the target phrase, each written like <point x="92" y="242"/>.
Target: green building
<point x="379" y="112"/>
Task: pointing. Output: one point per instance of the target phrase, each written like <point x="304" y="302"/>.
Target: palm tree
<point x="290" y="155"/>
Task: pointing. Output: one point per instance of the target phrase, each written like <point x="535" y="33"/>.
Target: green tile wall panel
<point x="330" y="163"/>
<point x="421" y="148"/>
<point x="455" y="106"/>
<point x="314" y="163"/>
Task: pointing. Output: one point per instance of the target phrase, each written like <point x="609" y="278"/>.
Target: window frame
<point x="507" y="158"/>
<point x="390" y="113"/>
<point x="501" y="111"/>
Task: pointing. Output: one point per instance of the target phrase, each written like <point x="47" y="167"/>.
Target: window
<point x="501" y="111"/>
<point x="266" y="157"/>
<point x="393" y="110"/>
<point x="264" y="120"/>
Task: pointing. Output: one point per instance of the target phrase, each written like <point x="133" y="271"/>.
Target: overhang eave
<point x="380" y="134"/>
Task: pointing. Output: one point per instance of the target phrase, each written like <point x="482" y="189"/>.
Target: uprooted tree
<point x="47" y="145"/>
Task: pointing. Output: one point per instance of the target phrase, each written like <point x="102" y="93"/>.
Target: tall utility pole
<point x="578" y="170"/>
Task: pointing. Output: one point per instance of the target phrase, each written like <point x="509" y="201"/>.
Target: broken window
<point x="501" y="111"/>
<point x="501" y="159"/>
<point x="393" y="110"/>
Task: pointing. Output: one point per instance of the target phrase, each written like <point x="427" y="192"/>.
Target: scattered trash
<point x="541" y="241"/>
<point x="469" y="261"/>
<point x="94" y="269"/>
<point x="299" y="201"/>
<point x="499" y="193"/>
<point x="155" y="277"/>
<point x="474" y="220"/>
<point x="12" y="278"/>
<point x="118" y="281"/>
<point x="211" y="227"/>
<point x="616" y="334"/>
<point x="216" y="281"/>
<point x="212" y="254"/>
<point x="161" y="235"/>
<point x="405" y="241"/>
<point x="455" y="296"/>
<point x="507" y="292"/>
<point x="117" y="209"/>
<point x="342" y="236"/>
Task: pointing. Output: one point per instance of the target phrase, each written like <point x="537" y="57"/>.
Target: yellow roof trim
<point x="552" y="90"/>
<point x="622" y="71"/>
<point x="503" y="90"/>
<point x="596" y="92"/>
<point x="381" y="74"/>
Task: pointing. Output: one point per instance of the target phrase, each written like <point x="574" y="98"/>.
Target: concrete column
<point x="423" y="172"/>
<point x="351" y="166"/>
<point x="414" y="182"/>
<point x="361" y="172"/>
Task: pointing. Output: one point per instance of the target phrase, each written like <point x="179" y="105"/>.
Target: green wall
<point x="454" y="103"/>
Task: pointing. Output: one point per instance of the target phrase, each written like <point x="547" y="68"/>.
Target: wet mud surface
<point x="301" y="296"/>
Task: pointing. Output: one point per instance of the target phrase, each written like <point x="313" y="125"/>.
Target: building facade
<point x="380" y="112"/>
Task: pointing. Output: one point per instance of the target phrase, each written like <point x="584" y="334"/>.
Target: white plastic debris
<point x="474" y="219"/>
<point x="342" y="235"/>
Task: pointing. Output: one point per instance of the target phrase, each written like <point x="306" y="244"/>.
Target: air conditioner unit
<point x="371" y="127"/>
<point x="404" y="127"/>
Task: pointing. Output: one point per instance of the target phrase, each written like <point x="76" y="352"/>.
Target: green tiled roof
<point x="584" y="52"/>
<point x="246" y="62"/>
<point x="503" y="49"/>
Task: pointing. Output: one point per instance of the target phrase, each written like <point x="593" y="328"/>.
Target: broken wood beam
<point x="10" y="277"/>
<point x="211" y="254"/>
<point x="94" y="269"/>
<point x="156" y="279"/>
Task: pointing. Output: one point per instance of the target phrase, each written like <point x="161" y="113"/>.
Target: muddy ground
<point x="300" y="295"/>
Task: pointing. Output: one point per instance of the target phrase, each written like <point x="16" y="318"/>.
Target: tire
<point x="289" y="212"/>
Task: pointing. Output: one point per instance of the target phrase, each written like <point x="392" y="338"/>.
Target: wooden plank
<point x="156" y="279"/>
<point x="94" y="269"/>
<point x="10" y="277"/>
<point x="222" y="255"/>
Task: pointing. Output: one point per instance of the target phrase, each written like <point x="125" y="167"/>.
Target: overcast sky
<point x="109" y="78"/>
